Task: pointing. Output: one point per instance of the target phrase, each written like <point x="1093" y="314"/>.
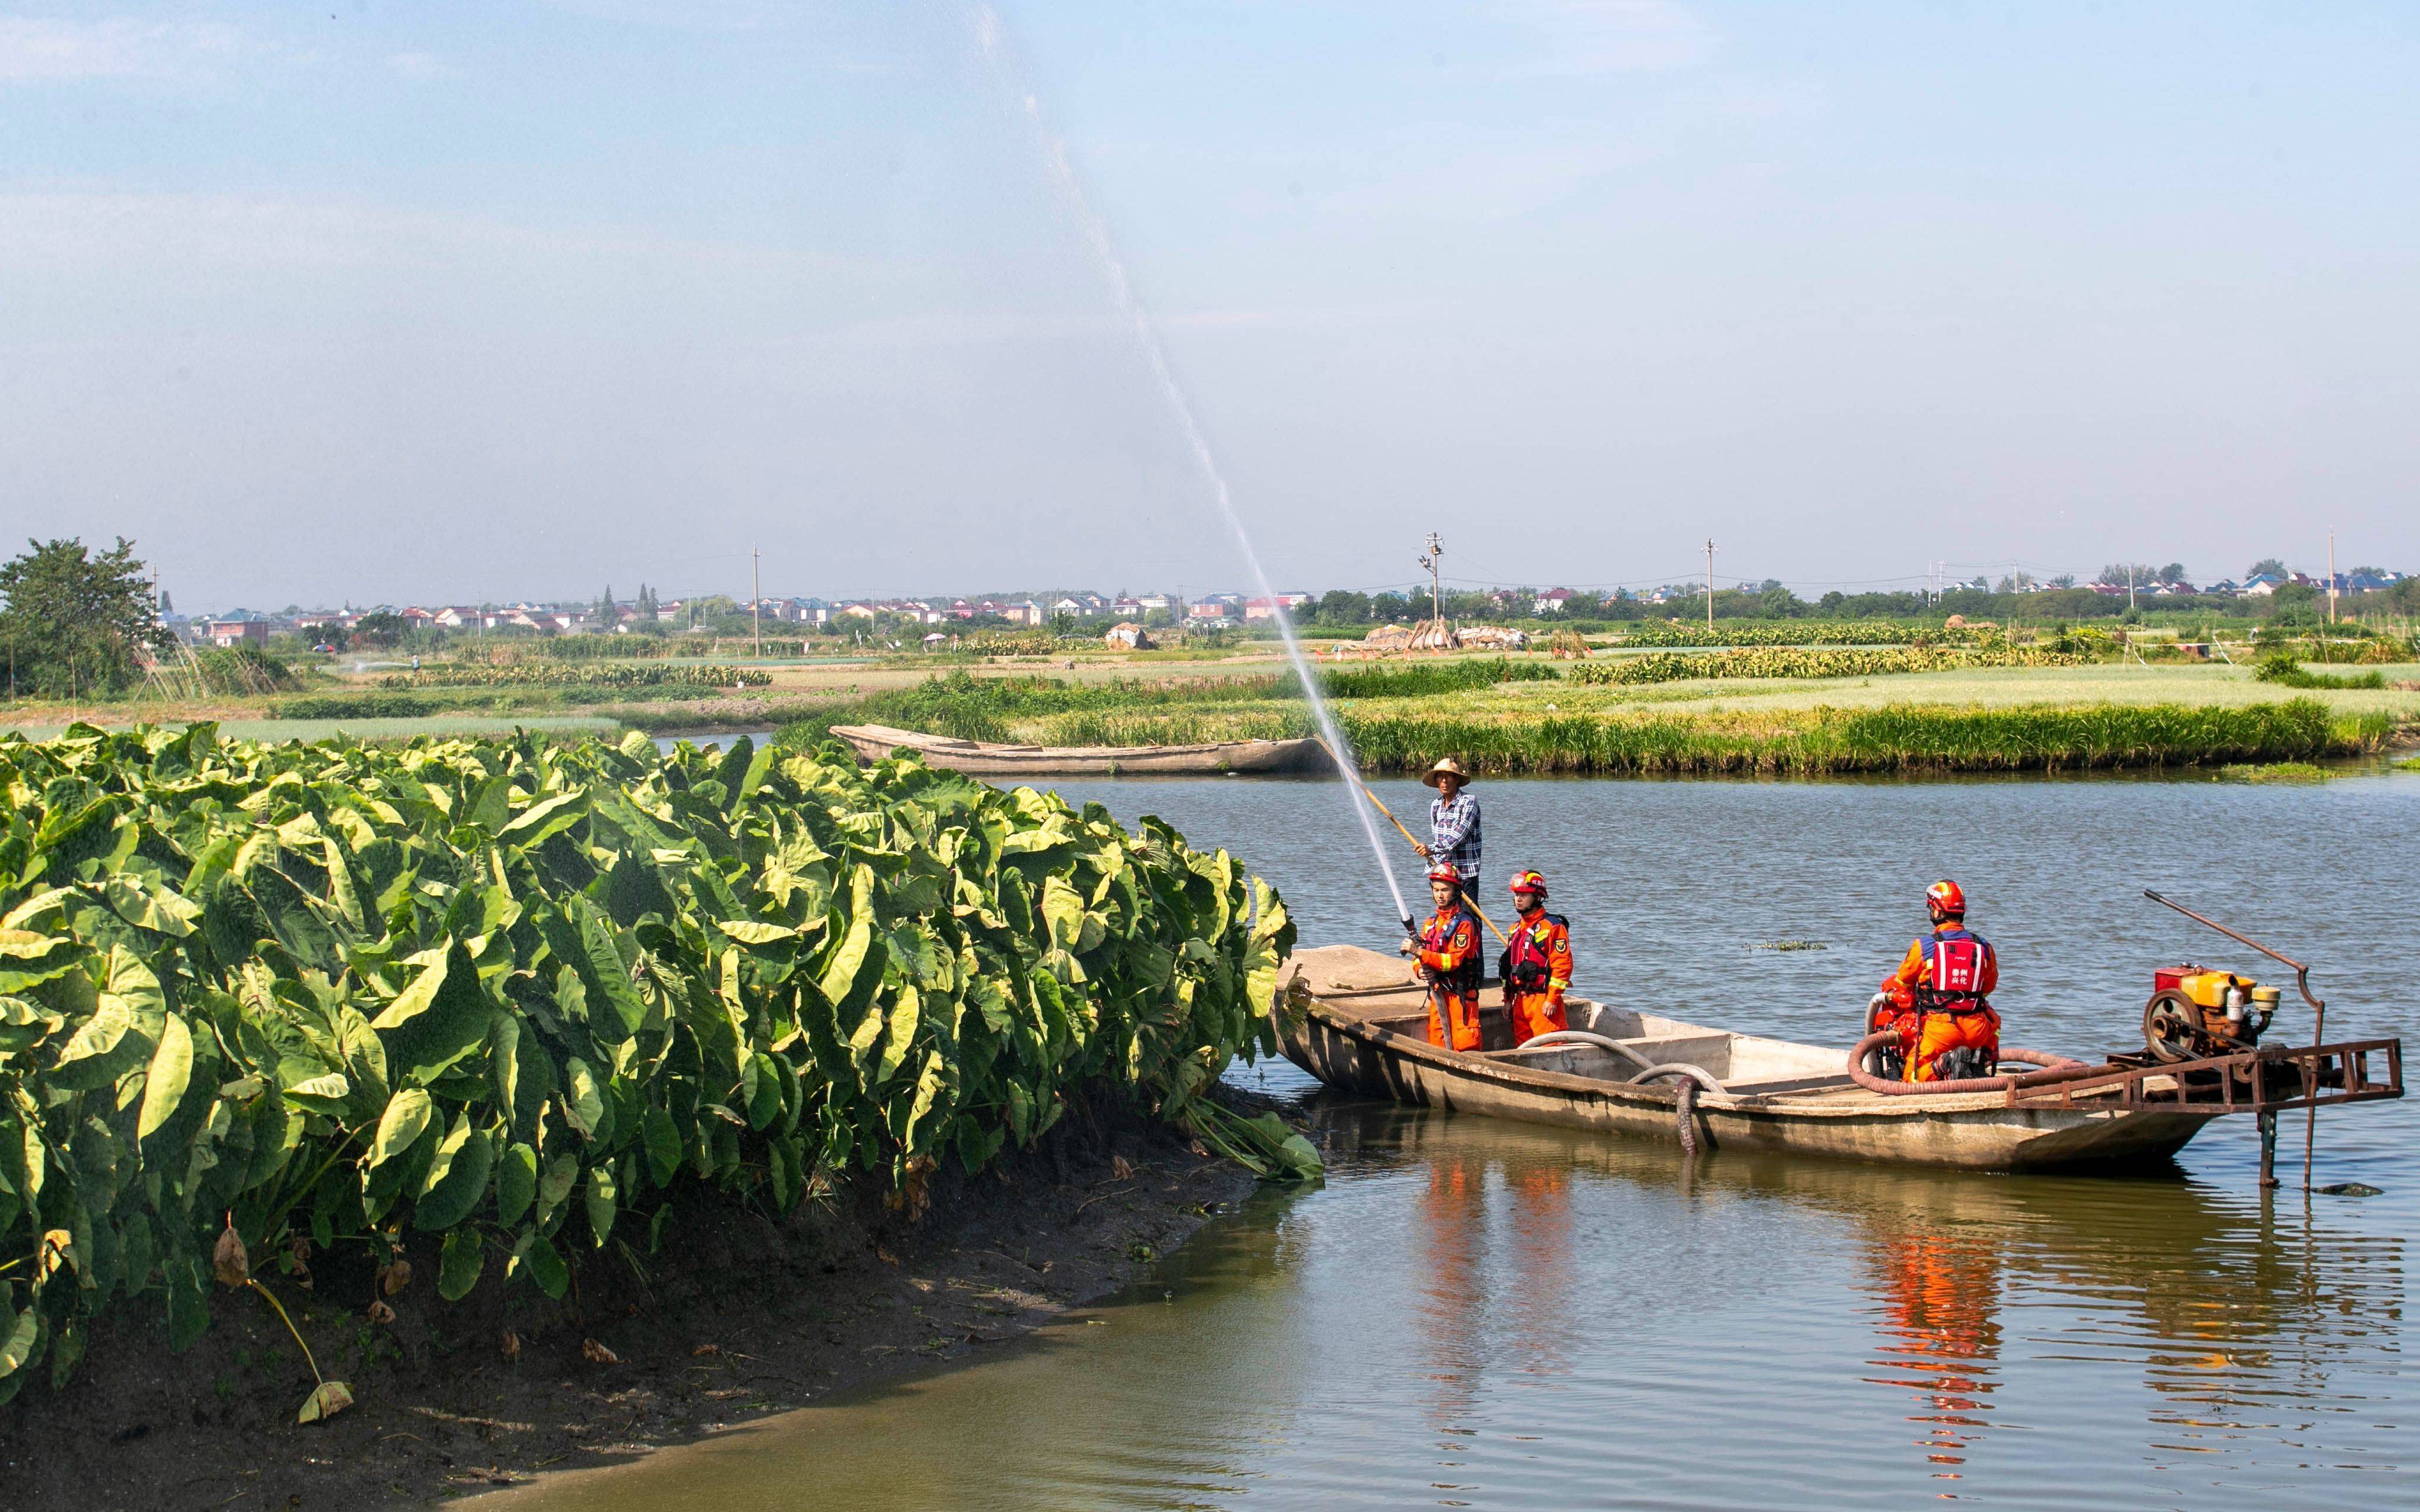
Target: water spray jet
<point x="991" y="38"/>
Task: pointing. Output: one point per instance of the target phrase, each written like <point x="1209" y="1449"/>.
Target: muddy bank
<point x="736" y="1315"/>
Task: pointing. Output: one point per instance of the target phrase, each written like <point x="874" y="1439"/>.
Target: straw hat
<point x="1446" y="766"/>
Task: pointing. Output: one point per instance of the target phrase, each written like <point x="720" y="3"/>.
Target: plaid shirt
<point x="1453" y="833"/>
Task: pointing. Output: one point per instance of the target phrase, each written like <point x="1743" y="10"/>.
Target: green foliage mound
<point x="514" y="992"/>
<point x="2287" y="671"/>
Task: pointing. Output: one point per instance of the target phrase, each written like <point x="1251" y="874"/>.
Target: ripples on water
<point x="1487" y="1313"/>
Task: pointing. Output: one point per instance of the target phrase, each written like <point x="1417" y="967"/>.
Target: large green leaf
<point x="516" y="1184"/>
<point x="457" y="1180"/>
<point x="405" y="1118"/>
<point x="171" y="1073"/>
<point x="458" y="1265"/>
<point x="442" y="1017"/>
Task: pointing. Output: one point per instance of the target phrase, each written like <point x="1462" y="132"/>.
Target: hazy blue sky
<point x="448" y="302"/>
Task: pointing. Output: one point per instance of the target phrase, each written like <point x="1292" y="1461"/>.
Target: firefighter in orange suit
<point x="1536" y="964"/>
<point x="1448" y="956"/>
<point x="1939" y="997"/>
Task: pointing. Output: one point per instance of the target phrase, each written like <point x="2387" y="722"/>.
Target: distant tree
<point x="1778" y="603"/>
<point x="1830" y="602"/>
<point x="2065" y="580"/>
<point x="1340" y="606"/>
<point x="1389" y="608"/>
<point x="607" y="613"/>
<point x="76" y="624"/>
<point x="2267" y="567"/>
<point x="380" y="629"/>
<point x="2350" y="572"/>
<point x="2122" y="573"/>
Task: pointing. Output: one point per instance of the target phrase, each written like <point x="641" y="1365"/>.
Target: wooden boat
<point x="873" y="742"/>
<point x="1353" y="1019"/>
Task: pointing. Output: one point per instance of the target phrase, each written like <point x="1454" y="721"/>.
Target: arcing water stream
<point x="992" y="37"/>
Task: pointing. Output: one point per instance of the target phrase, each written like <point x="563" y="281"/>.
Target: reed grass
<point x="1894" y="738"/>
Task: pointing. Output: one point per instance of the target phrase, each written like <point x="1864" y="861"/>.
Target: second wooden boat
<point x="873" y="742"/>
<point x="1352" y="1018"/>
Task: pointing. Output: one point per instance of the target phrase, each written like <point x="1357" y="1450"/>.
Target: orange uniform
<point x="1536" y="971"/>
<point x="1449" y="956"/>
<point x="1941" y="994"/>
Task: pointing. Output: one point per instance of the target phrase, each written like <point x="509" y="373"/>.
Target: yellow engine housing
<point x="2208" y="989"/>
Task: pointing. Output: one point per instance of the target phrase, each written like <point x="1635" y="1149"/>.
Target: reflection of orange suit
<point x="1537" y="972"/>
<point x="1449" y="956"/>
<point x="1936" y="1016"/>
<point x="1939" y="1328"/>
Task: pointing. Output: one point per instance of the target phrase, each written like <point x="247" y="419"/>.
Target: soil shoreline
<point x="737" y="1315"/>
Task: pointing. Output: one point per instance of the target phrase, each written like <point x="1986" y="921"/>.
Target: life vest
<point x="1438" y="935"/>
<point x="1959" y="961"/>
<point x="1524" y="964"/>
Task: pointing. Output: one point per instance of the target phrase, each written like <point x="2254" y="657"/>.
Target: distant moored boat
<point x="873" y="742"/>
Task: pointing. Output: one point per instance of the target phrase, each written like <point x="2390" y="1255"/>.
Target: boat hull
<point x="871" y="743"/>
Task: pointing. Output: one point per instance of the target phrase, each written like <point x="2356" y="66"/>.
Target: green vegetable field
<point x="511" y="993"/>
<point x="1783" y="661"/>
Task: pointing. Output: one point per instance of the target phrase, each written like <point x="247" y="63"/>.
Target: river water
<point x="1475" y="1313"/>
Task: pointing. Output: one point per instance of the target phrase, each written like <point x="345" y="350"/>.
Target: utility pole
<point x="2129" y="585"/>
<point x="756" y="599"/>
<point x="2331" y="576"/>
<point x="1710" y="583"/>
<point x="1434" y="560"/>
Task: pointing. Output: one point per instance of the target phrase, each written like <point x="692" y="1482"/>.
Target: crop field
<point x="1783" y="633"/>
<point x="274" y="1000"/>
<point x="1776" y="662"/>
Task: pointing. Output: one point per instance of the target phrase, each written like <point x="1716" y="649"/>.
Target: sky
<point x="384" y="302"/>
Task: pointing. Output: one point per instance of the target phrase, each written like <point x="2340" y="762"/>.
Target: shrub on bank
<point x="2285" y="671"/>
<point x="515" y="993"/>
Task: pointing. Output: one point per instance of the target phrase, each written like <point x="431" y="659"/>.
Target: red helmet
<point x="1527" y="882"/>
<point x="1444" y="871"/>
<point x="1945" y="900"/>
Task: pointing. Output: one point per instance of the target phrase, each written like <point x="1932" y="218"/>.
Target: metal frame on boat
<point x="1352" y="1018"/>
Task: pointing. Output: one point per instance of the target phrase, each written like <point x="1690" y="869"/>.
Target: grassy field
<point x="1978" y="719"/>
<point x="1517" y="714"/>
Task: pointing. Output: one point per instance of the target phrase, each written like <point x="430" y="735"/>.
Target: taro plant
<point x="512" y="995"/>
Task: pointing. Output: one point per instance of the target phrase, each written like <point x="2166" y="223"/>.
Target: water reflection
<point x="1939" y="1331"/>
<point x="1489" y="1314"/>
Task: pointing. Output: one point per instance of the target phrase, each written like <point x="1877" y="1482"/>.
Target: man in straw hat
<point x="1454" y="824"/>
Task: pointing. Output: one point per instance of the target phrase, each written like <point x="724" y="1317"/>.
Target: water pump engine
<point x="2195" y="1012"/>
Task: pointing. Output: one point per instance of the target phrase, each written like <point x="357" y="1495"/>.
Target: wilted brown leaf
<point x="58" y="1249"/>
<point x="229" y="1259"/>
<point x="381" y="1314"/>
<point x="395" y="1275"/>
<point x="512" y="1344"/>
<point x="598" y="1353"/>
<point x="332" y="1396"/>
<point x="1119" y="1169"/>
<point x="885" y="1255"/>
<point x="706" y="1348"/>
